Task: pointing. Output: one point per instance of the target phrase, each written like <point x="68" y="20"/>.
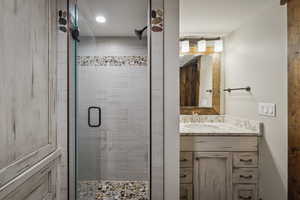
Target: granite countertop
<point x="214" y="129"/>
<point x="218" y="126"/>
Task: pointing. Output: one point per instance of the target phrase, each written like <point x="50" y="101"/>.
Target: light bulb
<point x="201" y="46"/>
<point x="218" y="45"/>
<point x="185" y="46"/>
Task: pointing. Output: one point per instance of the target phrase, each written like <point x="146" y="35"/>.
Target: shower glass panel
<point x="112" y="100"/>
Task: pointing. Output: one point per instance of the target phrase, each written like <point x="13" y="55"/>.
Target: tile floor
<point x="113" y="190"/>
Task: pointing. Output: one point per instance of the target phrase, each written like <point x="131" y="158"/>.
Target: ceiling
<point x="197" y="17"/>
<point x="217" y="17"/>
<point x="122" y="17"/>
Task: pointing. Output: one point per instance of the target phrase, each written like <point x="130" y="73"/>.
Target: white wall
<point x="256" y="56"/>
<point x="171" y="100"/>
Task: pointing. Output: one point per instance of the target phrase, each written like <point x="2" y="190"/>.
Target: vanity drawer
<point x="245" y="175"/>
<point x="245" y="192"/>
<point x="245" y="159"/>
<point x="186" y="175"/>
<point x="186" y="159"/>
<point x="218" y="144"/>
<point x="186" y="192"/>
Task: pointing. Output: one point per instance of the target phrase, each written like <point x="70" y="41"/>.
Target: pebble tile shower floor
<point x="113" y="190"/>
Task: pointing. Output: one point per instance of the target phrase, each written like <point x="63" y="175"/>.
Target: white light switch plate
<point x="267" y="109"/>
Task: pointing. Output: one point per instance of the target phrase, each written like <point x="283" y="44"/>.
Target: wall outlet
<point x="267" y="109"/>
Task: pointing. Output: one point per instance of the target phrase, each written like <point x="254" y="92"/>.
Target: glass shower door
<point x="112" y="100"/>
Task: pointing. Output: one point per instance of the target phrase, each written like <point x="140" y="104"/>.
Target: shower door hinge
<point x="75" y="33"/>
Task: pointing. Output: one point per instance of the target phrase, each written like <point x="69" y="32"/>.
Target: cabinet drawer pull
<point x="183" y="176"/>
<point x="245" y="198"/>
<point x="246" y="177"/>
<point x="246" y="160"/>
<point x="184" y="160"/>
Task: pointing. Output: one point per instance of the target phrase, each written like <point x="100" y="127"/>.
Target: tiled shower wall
<point x="113" y="74"/>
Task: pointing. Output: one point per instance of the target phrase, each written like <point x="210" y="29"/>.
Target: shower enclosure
<point x="112" y="99"/>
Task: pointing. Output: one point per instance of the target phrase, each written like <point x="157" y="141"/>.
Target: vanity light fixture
<point x="100" y="19"/>
<point x="218" y="45"/>
<point x="185" y="46"/>
<point x="201" y="46"/>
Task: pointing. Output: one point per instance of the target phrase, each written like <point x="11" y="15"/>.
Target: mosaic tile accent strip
<point x="112" y="61"/>
<point x="113" y="190"/>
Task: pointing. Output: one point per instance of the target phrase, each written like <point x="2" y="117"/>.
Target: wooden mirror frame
<point x="216" y="96"/>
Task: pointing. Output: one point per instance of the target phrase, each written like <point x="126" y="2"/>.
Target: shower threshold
<point x="113" y="190"/>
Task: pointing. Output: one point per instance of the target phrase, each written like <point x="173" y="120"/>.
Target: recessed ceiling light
<point x="100" y="19"/>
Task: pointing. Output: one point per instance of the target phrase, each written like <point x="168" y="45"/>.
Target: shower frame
<point x="156" y="105"/>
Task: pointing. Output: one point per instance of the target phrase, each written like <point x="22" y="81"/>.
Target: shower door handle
<point x="99" y="116"/>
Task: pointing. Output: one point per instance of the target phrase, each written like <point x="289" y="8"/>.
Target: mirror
<point x="196" y="80"/>
<point x="200" y="83"/>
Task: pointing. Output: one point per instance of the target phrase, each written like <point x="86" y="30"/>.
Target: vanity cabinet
<point x="186" y="191"/>
<point x="219" y="167"/>
<point x="212" y="172"/>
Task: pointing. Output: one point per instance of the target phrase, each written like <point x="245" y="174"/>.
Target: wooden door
<point x="189" y="84"/>
<point x="40" y="186"/>
<point x="212" y="176"/>
<point x="294" y="98"/>
<point x="27" y="84"/>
